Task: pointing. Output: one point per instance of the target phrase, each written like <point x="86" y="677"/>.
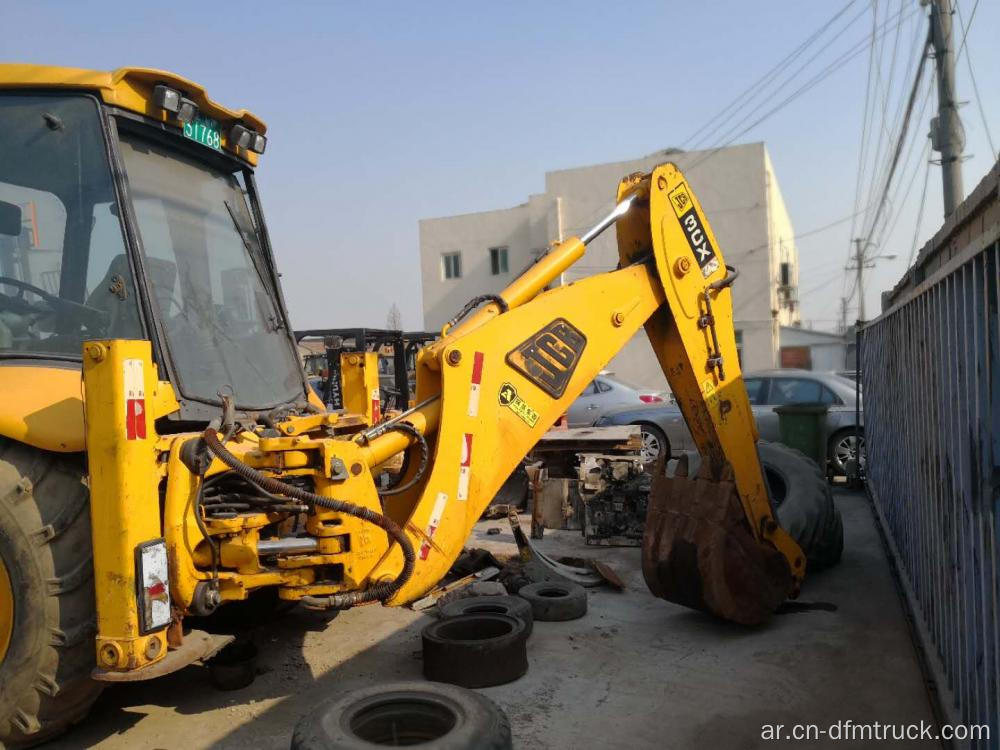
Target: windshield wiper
<point x="239" y="229"/>
<point x="273" y="319"/>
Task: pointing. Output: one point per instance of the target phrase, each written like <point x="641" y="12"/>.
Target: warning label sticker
<point x="510" y="399"/>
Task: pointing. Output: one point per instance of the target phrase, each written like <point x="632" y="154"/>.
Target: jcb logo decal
<point x="694" y="230"/>
<point x="549" y="357"/>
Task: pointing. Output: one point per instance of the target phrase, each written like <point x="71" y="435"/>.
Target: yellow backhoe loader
<point x="161" y="454"/>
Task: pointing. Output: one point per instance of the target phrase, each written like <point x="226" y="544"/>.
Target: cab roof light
<point x="174" y="102"/>
<point x="242" y="137"/>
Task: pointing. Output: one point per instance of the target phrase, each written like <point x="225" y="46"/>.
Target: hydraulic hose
<point x="380" y="591"/>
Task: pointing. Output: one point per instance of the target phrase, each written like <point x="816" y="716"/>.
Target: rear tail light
<point x="649" y="398"/>
<point x="153" y="582"/>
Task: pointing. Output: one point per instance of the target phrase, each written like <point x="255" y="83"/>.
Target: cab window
<point x="64" y="274"/>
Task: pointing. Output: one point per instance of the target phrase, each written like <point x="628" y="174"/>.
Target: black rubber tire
<point x="430" y="714"/>
<point x="838" y="468"/>
<point x="46" y="547"/>
<point x="475" y="651"/>
<point x="801" y="498"/>
<point x="513" y="606"/>
<point x="555" y="602"/>
<point x="656" y="432"/>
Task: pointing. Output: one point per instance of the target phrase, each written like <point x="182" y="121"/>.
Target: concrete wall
<point x="739" y="194"/>
<point x="828" y="351"/>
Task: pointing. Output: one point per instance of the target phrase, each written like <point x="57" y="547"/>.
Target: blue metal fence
<point x="931" y="392"/>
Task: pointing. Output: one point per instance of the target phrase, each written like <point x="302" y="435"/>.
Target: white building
<point x="471" y="254"/>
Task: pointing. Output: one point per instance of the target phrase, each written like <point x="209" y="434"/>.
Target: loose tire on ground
<point x="801" y="499"/>
<point x="475" y="650"/>
<point x="445" y="717"/>
<point x="555" y="602"/>
<point x="514" y="606"/>
<point x="45" y="546"/>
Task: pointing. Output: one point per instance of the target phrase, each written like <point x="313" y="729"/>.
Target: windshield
<point x="204" y="262"/>
<point x="64" y="274"/>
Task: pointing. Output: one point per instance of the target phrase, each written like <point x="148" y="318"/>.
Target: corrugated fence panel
<point x="931" y="383"/>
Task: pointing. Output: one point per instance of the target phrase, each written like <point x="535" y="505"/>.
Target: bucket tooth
<point x="699" y="551"/>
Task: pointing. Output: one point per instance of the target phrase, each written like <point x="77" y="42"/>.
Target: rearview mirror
<point x="10" y="219"/>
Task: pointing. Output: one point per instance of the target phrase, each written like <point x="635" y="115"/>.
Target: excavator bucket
<point x="698" y="549"/>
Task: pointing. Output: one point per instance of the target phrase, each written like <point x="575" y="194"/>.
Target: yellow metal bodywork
<point x="131" y="89"/>
<point x="42" y="406"/>
<point x="359" y="385"/>
<point x="124" y="503"/>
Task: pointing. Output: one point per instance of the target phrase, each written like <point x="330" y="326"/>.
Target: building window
<point x="498" y="260"/>
<point x="451" y="265"/>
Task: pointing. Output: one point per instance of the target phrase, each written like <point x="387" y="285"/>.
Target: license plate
<point x="204" y="130"/>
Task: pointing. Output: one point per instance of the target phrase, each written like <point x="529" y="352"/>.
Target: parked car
<point x="664" y="428"/>
<point x="605" y="392"/>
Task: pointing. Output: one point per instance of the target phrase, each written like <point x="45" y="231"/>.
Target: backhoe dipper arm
<point x="493" y="384"/>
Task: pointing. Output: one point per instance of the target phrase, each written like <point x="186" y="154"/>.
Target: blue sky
<point x="383" y="113"/>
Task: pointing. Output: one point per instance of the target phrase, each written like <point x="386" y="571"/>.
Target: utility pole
<point x="859" y="268"/>
<point x="843" y="314"/>
<point x="947" y="134"/>
<point x="861" y="262"/>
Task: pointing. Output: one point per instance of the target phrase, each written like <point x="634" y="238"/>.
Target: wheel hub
<point x="6" y="610"/>
<point x="650" y="448"/>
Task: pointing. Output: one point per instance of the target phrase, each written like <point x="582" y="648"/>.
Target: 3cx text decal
<point x="694" y="230"/>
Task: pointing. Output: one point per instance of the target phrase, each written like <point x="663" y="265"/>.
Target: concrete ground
<point x="636" y="672"/>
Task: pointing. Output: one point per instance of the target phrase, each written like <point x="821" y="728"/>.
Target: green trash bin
<point x="803" y="427"/>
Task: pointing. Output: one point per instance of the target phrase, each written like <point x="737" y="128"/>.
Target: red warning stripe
<point x="467" y="450"/>
<point x="477" y="368"/>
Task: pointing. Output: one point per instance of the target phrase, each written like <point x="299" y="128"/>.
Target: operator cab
<point x="128" y="210"/>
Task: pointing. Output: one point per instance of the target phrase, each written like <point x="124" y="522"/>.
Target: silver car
<point x="605" y="393"/>
<point x="664" y="428"/>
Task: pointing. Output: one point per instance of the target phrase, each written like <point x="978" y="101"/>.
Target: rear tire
<point x="45" y="545"/>
<point x="801" y="500"/>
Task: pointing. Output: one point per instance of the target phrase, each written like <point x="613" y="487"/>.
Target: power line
<point x="835" y="65"/>
<point x="878" y="173"/>
<point x="764" y="80"/>
<point x="899" y="146"/>
<point x="972" y="75"/>
<point x="788" y="79"/>
<point x="923" y="156"/>
<point x="894" y="204"/>
<point x="920" y="216"/>
<point x="864" y="130"/>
